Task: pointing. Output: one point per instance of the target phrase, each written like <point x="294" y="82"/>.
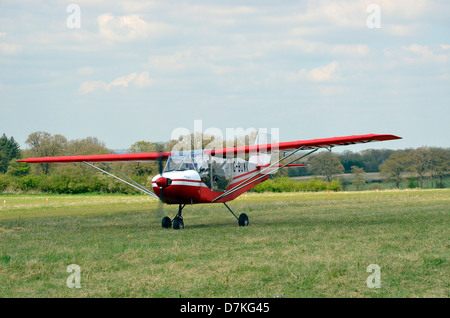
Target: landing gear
<point x="177" y="221"/>
<point x="166" y="222"/>
<point x="178" y="224"/>
<point x="242" y="219"/>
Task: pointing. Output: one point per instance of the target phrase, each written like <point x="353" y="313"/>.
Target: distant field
<point x="375" y="177"/>
<point x="369" y="176"/>
<point x="297" y="245"/>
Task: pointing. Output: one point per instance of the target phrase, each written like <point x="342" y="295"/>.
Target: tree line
<point x="66" y="178"/>
<point x="397" y="166"/>
<point x="394" y="165"/>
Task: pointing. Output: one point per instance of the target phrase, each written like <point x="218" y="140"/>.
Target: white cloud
<point x="415" y="53"/>
<point x="401" y="29"/>
<point x="90" y="86"/>
<point x="186" y="60"/>
<point x="143" y="80"/>
<point x="315" y="18"/>
<point x="139" y="5"/>
<point x="123" y="81"/>
<point x="415" y="61"/>
<point x="403" y="9"/>
<point x="224" y="11"/>
<point x="9" y="49"/>
<point x="169" y="63"/>
<point x="322" y="48"/>
<point x="139" y="80"/>
<point x="325" y="73"/>
<point x="422" y="50"/>
<point x="358" y="50"/>
<point x="336" y="14"/>
<point x="86" y="70"/>
<point x="127" y="28"/>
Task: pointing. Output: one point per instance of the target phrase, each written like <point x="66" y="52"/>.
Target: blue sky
<point x="137" y="70"/>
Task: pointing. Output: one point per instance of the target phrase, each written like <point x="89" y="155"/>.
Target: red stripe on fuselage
<point x="199" y="192"/>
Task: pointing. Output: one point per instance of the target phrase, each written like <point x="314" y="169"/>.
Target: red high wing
<point x="307" y="144"/>
<point x="290" y="145"/>
<point x="101" y="158"/>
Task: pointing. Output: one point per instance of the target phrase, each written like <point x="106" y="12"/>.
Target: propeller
<point x="162" y="183"/>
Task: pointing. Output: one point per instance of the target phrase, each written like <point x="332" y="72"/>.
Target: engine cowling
<point x="163" y="182"/>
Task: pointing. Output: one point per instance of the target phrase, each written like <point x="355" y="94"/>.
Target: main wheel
<point x="166" y="222"/>
<point x="243" y="220"/>
<point x="178" y="223"/>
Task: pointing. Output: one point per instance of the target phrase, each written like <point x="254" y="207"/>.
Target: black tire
<point x="166" y="222"/>
<point x="178" y="223"/>
<point x="243" y="220"/>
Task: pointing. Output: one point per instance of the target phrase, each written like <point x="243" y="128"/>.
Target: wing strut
<point x="133" y="183"/>
<point x="249" y="180"/>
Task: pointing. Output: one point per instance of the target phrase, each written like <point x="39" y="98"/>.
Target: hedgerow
<point x="285" y="184"/>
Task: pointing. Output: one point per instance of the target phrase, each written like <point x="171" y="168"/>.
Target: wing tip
<point x="388" y="137"/>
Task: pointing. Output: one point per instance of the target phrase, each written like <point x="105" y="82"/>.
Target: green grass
<point x="297" y="245"/>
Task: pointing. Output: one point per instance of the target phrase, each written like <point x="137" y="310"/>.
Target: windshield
<point x="179" y="163"/>
<point x="188" y="160"/>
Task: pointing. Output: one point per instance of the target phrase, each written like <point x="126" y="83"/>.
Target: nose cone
<point x="163" y="182"/>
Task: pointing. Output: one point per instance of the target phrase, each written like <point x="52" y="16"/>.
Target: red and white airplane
<point x="212" y="175"/>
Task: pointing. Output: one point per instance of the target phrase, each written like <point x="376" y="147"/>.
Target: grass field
<point x="297" y="245"/>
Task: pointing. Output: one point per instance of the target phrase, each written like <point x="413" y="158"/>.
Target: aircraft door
<point x="221" y="174"/>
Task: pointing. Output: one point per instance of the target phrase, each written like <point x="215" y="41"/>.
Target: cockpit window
<point x="179" y="163"/>
<point x="187" y="160"/>
<point x="216" y="173"/>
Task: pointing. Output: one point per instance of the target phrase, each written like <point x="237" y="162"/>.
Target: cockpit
<point x="216" y="173"/>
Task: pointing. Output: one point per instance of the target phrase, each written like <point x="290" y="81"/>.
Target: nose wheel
<point x="177" y="221"/>
<point x="166" y="222"/>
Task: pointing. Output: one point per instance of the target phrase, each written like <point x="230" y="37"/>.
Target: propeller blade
<point x="160" y="164"/>
<point x="160" y="211"/>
